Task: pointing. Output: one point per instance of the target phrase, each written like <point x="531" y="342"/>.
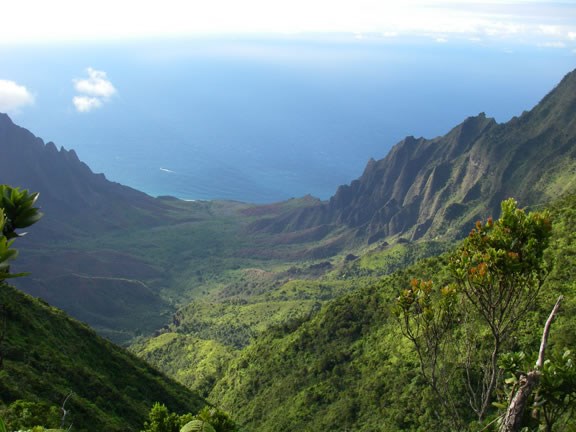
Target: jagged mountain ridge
<point x="72" y="195"/>
<point x="98" y="286"/>
<point x="426" y="187"/>
<point x="422" y="187"/>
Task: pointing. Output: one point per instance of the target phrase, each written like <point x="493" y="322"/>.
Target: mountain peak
<point x="433" y="186"/>
<point x="4" y="118"/>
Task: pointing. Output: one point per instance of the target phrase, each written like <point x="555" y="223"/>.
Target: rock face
<point x="429" y="187"/>
<point x="69" y="190"/>
<point x="412" y="184"/>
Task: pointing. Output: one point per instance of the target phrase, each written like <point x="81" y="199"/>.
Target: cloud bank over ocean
<point x="532" y="22"/>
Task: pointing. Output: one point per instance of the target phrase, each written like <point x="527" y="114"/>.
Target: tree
<point x="161" y="420"/>
<point x="209" y="419"/>
<point x="427" y="317"/>
<point x="497" y="273"/>
<point x="17" y="211"/>
<point x="500" y="270"/>
<point x="22" y="414"/>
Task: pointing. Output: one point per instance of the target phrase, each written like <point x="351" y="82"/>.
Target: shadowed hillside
<point x="76" y="201"/>
<point x="47" y="356"/>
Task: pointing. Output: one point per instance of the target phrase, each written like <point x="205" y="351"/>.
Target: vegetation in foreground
<point x="56" y="372"/>
<point x="345" y="364"/>
<point x="351" y="367"/>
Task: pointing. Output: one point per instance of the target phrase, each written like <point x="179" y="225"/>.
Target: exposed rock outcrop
<point x="429" y="187"/>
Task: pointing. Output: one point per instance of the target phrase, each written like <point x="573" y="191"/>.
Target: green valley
<point x="286" y="315"/>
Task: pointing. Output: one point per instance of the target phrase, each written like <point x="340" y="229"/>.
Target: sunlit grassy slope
<point x="348" y="367"/>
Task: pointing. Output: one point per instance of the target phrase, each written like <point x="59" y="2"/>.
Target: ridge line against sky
<point x="548" y="24"/>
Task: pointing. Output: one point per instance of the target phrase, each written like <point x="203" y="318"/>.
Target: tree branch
<point x="512" y="421"/>
<point x="544" y="342"/>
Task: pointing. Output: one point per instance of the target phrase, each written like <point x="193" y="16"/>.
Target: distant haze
<point x="262" y="119"/>
<point x="528" y="21"/>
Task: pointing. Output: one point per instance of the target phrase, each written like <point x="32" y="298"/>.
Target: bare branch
<point x="64" y="410"/>
<point x="544" y="342"/>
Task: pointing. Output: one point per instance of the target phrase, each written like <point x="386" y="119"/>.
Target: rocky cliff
<point x="430" y="187"/>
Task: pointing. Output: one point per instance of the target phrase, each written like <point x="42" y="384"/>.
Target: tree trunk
<point x="512" y="421"/>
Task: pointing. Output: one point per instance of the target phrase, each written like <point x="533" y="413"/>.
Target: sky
<point x="543" y="24"/>
<point x="532" y="21"/>
<point x="322" y="72"/>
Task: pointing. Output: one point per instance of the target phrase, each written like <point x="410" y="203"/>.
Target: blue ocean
<point x="267" y="119"/>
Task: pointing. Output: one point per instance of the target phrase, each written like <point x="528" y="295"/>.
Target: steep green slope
<point x="347" y="368"/>
<point x="350" y="368"/>
<point x="77" y="201"/>
<point x="206" y="334"/>
<point x="46" y="356"/>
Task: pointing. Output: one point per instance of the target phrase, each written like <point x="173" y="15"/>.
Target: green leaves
<point x="513" y="362"/>
<point x="497" y="272"/>
<point x="197" y="426"/>
<point x="556" y="391"/>
<point x="515" y="243"/>
<point x="26" y="415"/>
<point x="432" y="309"/>
<point x="16" y="211"/>
<point x="500" y="266"/>
<point x="19" y="210"/>
<point x="160" y="419"/>
<point x="6" y="254"/>
<point x="209" y="419"/>
<point x="558" y="382"/>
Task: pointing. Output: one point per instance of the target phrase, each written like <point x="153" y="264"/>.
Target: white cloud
<point x="550" y="30"/>
<point x="526" y="21"/>
<point x="94" y="90"/>
<point x="555" y="44"/>
<point x="14" y="96"/>
<point x="86" y="103"/>
<point x="97" y="84"/>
